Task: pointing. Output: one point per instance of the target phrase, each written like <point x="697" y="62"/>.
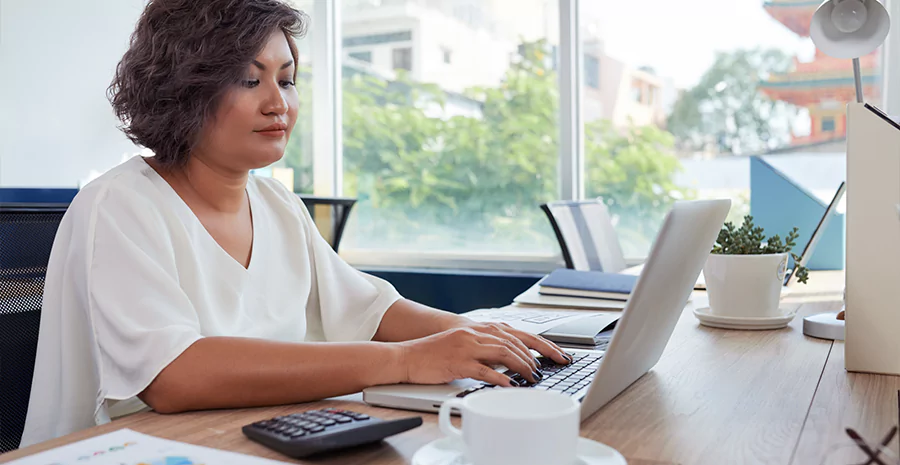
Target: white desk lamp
<point x="850" y="29"/>
<point x="845" y="29"/>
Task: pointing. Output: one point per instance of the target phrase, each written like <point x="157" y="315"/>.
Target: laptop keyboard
<point x="568" y="379"/>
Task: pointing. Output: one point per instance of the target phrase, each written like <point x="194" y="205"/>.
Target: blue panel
<point x="33" y="195"/>
<point x="778" y="204"/>
<point x="455" y="290"/>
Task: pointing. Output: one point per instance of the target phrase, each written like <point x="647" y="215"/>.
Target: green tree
<point x="727" y="110"/>
<point x="422" y="176"/>
<point x="633" y="171"/>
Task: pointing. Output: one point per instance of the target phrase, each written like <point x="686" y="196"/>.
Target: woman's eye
<point x="287" y="84"/>
<point x="251" y="83"/>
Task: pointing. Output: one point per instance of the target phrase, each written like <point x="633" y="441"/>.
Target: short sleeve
<point x="345" y="304"/>
<point x="142" y="318"/>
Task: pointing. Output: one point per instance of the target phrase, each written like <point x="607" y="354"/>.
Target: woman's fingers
<point x="544" y="347"/>
<point x="505" y="331"/>
<point x="486" y="374"/>
<point x="509" y="334"/>
<point x="508" y="357"/>
<point x="515" y="345"/>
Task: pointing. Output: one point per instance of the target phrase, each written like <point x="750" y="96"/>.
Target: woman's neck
<point x="220" y="189"/>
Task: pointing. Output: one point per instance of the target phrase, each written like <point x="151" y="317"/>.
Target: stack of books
<point x="588" y="284"/>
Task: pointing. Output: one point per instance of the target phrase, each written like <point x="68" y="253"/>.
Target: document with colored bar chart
<point x="127" y="447"/>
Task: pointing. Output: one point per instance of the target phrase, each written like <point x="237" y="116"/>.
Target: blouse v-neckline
<point x="255" y="215"/>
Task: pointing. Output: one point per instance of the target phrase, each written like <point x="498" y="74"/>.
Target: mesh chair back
<point x="586" y="235"/>
<point x="26" y="237"/>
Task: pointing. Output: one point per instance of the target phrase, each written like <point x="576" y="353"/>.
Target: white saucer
<point x="447" y="451"/>
<point x="747" y="323"/>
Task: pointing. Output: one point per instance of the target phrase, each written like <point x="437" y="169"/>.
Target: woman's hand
<point x="471" y="350"/>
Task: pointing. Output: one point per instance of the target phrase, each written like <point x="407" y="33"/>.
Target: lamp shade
<point x="866" y="21"/>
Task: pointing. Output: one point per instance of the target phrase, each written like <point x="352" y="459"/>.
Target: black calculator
<point x="307" y="433"/>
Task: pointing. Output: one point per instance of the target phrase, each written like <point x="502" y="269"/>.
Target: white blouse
<point x="134" y="279"/>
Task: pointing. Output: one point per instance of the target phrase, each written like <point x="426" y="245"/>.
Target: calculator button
<point x="317" y="429"/>
<point x="343" y="420"/>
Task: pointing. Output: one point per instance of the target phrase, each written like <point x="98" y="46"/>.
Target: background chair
<point x="330" y="215"/>
<point x="26" y="237"/>
<point x="586" y="235"/>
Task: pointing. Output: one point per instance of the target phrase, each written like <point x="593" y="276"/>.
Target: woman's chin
<point x="262" y="160"/>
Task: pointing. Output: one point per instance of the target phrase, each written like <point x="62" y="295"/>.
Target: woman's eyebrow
<point x="263" y="67"/>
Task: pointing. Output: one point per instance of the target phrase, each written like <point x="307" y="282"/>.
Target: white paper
<point x="534" y="321"/>
<point x="127" y="447"/>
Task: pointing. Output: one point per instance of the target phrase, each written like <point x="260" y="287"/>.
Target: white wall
<point x="56" y="59"/>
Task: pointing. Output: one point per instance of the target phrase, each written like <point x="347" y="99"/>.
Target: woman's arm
<point x="418" y="344"/>
<point x="233" y="372"/>
<point x="406" y="320"/>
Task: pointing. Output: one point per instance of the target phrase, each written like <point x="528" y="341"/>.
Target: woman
<point x="190" y="284"/>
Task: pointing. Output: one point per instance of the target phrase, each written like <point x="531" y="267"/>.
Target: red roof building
<point x="824" y="86"/>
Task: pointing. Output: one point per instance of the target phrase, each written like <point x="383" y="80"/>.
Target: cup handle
<point x="444" y="418"/>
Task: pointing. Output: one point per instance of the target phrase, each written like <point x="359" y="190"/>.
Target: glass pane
<point x="678" y="118"/>
<point x="450" y="129"/>
<point x="296" y="168"/>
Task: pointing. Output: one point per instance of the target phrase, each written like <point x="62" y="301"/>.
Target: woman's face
<point x="254" y="120"/>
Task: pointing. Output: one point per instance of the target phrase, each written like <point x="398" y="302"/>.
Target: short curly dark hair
<point x="183" y="56"/>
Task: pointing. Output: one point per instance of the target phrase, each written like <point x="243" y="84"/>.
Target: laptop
<point x="790" y="277"/>
<point x="597" y="376"/>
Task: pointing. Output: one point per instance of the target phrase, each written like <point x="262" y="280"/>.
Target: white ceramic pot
<point x="745" y="285"/>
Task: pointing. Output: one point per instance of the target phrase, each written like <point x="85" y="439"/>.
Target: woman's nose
<point x="276" y="103"/>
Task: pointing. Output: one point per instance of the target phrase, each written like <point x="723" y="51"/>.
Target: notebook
<point x="591" y="284"/>
<point x="594" y="331"/>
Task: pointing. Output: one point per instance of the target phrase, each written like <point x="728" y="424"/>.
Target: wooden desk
<point x="715" y="397"/>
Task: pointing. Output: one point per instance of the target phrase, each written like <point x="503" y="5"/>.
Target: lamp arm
<point x="857" y="79"/>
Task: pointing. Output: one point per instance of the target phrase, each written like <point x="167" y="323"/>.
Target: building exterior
<point x="823" y="86"/>
<point x="459" y="44"/>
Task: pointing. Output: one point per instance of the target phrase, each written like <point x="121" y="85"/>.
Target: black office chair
<point x="332" y="221"/>
<point x="26" y="237"/>
<point x="586" y="235"/>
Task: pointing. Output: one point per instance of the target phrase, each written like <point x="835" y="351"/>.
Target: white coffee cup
<point x="515" y="426"/>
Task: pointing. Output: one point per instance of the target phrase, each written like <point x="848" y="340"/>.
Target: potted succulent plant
<point x="745" y="272"/>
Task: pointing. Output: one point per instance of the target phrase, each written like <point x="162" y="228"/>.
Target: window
<point x="592" y="72"/>
<point x="637" y="92"/>
<point x="458" y="160"/>
<point x="713" y="89"/>
<point x="402" y="58"/>
<point x="375" y="39"/>
<point x="448" y="55"/>
<point x="362" y="56"/>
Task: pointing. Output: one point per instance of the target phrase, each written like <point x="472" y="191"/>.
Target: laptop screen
<point x="818" y="232"/>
